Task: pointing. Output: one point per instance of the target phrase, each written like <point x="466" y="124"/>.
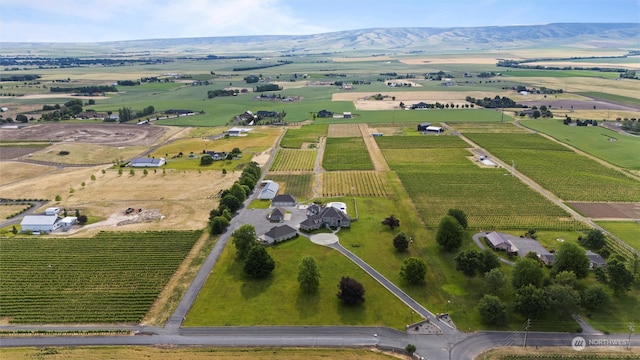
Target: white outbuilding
<point x="40" y="223"/>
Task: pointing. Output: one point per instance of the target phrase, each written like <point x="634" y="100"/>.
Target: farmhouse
<point x="283" y="200"/>
<point x="41" y="223"/>
<point x="595" y="260"/>
<point x="499" y="241"/>
<point x="420" y="105"/>
<point x="147" y="162"/>
<point x="269" y="190"/>
<point x="277" y="215"/>
<point x="328" y="216"/>
<point x="423" y="126"/>
<point x="216" y="156"/>
<point x="324" y="114"/>
<point x="279" y="233"/>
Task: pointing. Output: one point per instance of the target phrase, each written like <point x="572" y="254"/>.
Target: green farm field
<point x="113" y="277"/>
<point x="419" y="116"/>
<point x="229" y="298"/>
<point x="298" y="185"/>
<point x="346" y="154"/>
<point x="543" y="160"/>
<point x="294" y="160"/>
<point x="353" y="183"/>
<point x="628" y="231"/>
<point x="295" y="137"/>
<point x="596" y="141"/>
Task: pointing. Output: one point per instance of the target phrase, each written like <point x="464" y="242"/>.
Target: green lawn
<point x="229" y="298"/>
<point x="596" y="141"/>
<point x="628" y="231"/>
<point x="294" y="138"/>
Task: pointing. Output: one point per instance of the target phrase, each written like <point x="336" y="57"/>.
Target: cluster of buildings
<point x="48" y="222"/>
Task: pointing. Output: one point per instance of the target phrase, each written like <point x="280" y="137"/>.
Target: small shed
<point x="347" y="115"/>
<point x="434" y="129"/>
<point x="269" y="190"/>
<point x="67" y="222"/>
<point x="52" y="211"/>
<point x="283" y="200"/>
<point x="280" y="233"/>
<point x="277" y="215"/>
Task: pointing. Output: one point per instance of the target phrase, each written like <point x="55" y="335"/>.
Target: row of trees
<point x="496" y="102"/>
<point x="232" y="198"/>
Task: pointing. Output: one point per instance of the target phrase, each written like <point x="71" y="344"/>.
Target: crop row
<point x="298" y="185"/>
<point x="294" y="160"/>
<point x="346" y="154"/>
<point x="397" y="158"/>
<point x="111" y="277"/>
<point x="353" y="183"/>
<point x="567" y="174"/>
<point x="420" y="142"/>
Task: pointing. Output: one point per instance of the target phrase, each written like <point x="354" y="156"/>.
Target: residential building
<point x="279" y="233"/>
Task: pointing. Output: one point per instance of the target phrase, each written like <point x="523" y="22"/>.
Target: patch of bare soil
<point x="379" y="162"/>
<point x="343" y="130"/>
<point x="105" y="134"/>
<point x="608" y="210"/>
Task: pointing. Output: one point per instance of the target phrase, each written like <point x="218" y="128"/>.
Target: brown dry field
<point x="191" y="353"/>
<point x="62" y="96"/>
<point x="533" y="352"/>
<point x="14" y="152"/>
<point x="417" y="96"/>
<point x="632" y="66"/>
<point x="83" y="154"/>
<point x="390" y="130"/>
<point x="184" y="198"/>
<point x="608" y="210"/>
<point x="451" y="60"/>
<point x="628" y="88"/>
<point x="343" y="130"/>
<point x="11" y="171"/>
<point x="6" y="210"/>
<point x="358" y="59"/>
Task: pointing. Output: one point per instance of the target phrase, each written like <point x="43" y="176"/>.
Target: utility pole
<point x="631" y="330"/>
<point x="526" y="332"/>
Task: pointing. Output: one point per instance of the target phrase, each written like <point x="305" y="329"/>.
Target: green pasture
<point x="420" y="142"/>
<point x="502" y="127"/>
<point x="113" y="277"/>
<point x="294" y="138"/>
<point x="558" y="73"/>
<point x="545" y="163"/>
<point x="611" y="97"/>
<point x="628" y="231"/>
<point x="346" y="154"/>
<point x="398" y="117"/>
<point x="229" y="298"/>
<point x="601" y="142"/>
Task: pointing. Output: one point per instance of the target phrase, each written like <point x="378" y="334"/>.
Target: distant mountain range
<point x="409" y="39"/>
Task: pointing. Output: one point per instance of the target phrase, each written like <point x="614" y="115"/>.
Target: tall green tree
<point x="595" y="239"/>
<point x="231" y="202"/>
<point x="245" y="239"/>
<point x="400" y="242"/>
<point x="619" y="277"/>
<point x="468" y="262"/>
<point x="460" y="216"/>
<point x="238" y="191"/>
<point x="258" y="263"/>
<point x="492" y="310"/>
<point x="563" y="300"/>
<point x="530" y="301"/>
<point x="495" y="281"/>
<point x="571" y="257"/>
<point x="450" y="233"/>
<point x="566" y="278"/>
<point x="308" y="275"/>
<point x="413" y="270"/>
<point x="489" y="260"/>
<point x="218" y="225"/>
<point x="595" y="297"/>
<point x="527" y="272"/>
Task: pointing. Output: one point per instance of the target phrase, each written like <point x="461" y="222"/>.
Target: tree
<point x="536" y="114"/>
<point x="567" y="278"/>
<point x="460" y="216"/>
<point x="245" y="239"/>
<point x="77" y="213"/>
<point x="231" y="202"/>
<point x="308" y="275"/>
<point x="468" y="262"/>
<point x="530" y="301"/>
<point x="564" y="300"/>
<point x="391" y="221"/>
<point x="238" y="191"/>
<point x="619" y="277"/>
<point x="495" y="281"/>
<point x="489" y="260"/>
<point x="595" y="297"/>
<point x="22" y="118"/>
<point x="82" y="219"/>
<point x="449" y="234"/>
<point x="413" y="270"/>
<point x="350" y="291"/>
<point x="571" y="257"/>
<point x="410" y="348"/>
<point x="132" y="172"/>
<point x="258" y="263"/>
<point x="218" y="225"/>
<point x="400" y="242"/>
<point x="594" y="239"/>
<point x="206" y="160"/>
<point x="58" y="198"/>
<point x="527" y="272"/>
<point x="492" y="310"/>
<point x="93" y="177"/>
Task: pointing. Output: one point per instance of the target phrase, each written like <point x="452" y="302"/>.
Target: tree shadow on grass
<point x="307" y="305"/>
<point x="352" y="314"/>
<point x="252" y="288"/>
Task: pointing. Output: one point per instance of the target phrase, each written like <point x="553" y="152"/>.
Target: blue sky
<point x="106" y="20"/>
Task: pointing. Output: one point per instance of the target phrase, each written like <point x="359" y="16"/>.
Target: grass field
<point x="15" y="171"/>
<point x="543" y="160"/>
<point x="628" y="231"/>
<point x="229" y="298"/>
<point x="488" y="128"/>
<point x="593" y="140"/>
<point x="346" y="154"/>
<point x="83" y="154"/>
<point x="294" y="160"/>
<point x="419" y="116"/>
<point x="632" y="101"/>
<point x="298" y="185"/>
<point x="114" y="277"/>
<point x="191" y="353"/>
<point x="353" y="183"/>
<point x="295" y="137"/>
<point x="559" y="73"/>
